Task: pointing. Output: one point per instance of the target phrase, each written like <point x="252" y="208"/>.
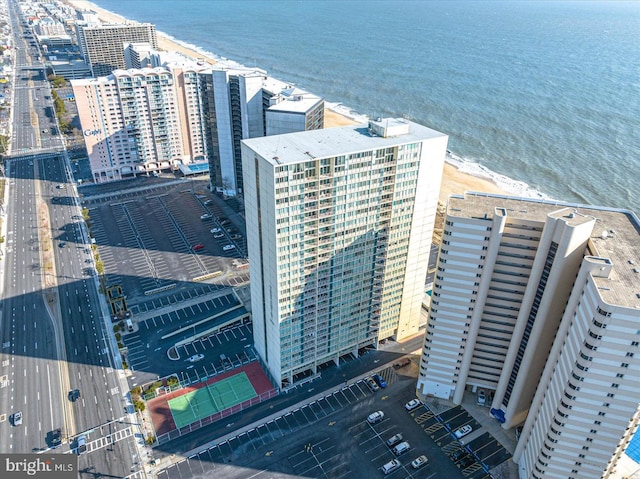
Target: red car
<point x="197" y="247"/>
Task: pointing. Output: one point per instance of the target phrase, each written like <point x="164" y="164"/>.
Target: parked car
<point x="380" y="381"/>
<point x="411" y="405"/>
<point x="62" y="244"/>
<point x="197" y="247"/>
<point x="375" y="417"/>
<point x="395" y="439"/>
<point x="206" y="216"/>
<point x="208" y="202"/>
<point x="466" y="461"/>
<point x="216" y="230"/>
<point x="372" y="384"/>
<point x="236" y="237"/>
<point x="401" y="448"/>
<point x="390" y="466"/>
<point x="463" y="431"/>
<point x="60" y="186"/>
<point x="228" y="247"/>
<point x="419" y="461"/>
<point x="218" y="235"/>
<point x="482" y="397"/>
<point x="402" y="363"/>
<point x="195" y="358"/>
<point x="459" y="454"/>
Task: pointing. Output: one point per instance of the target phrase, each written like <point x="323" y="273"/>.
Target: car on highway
<point x="54" y="438"/>
<point x="73" y="395"/>
<point x="228" y="247"/>
<point x="195" y="358"/>
<point x="197" y="247"/>
<point x="411" y="405"/>
<point x="216" y="230"/>
<point x="206" y="216"/>
<point x="372" y="384"/>
<point x="17" y="418"/>
<point x="81" y="445"/>
<point x="419" y="461"/>
<point x="463" y="431"/>
<point x="395" y="439"/>
<point x="380" y="381"/>
<point x="375" y="417"/>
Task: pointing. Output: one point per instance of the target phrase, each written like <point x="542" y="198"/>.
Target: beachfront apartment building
<point x="245" y="103"/>
<point x="103" y="45"/>
<point x="339" y="228"/>
<point x="150" y="119"/>
<point x="134" y="121"/>
<point x="538" y="303"/>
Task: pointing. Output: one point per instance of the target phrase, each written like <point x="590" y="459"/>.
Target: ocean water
<point x="541" y="96"/>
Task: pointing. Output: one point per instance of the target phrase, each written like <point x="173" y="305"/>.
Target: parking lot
<point x="328" y="437"/>
<point x="479" y="451"/>
<point x="154" y="240"/>
<point x="162" y="343"/>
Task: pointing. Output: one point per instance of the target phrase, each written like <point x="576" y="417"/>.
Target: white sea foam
<point x="509" y="185"/>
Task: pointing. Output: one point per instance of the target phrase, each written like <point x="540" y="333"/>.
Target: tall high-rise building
<point x="339" y="227"/>
<point x="538" y="303"/>
<point x="246" y="103"/>
<point x="103" y="45"/>
<point x="148" y="119"/>
<point x="133" y="121"/>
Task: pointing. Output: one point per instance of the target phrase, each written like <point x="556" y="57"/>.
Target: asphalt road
<point x="54" y="339"/>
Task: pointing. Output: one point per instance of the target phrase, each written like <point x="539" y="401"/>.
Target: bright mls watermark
<point x="49" y="466"/>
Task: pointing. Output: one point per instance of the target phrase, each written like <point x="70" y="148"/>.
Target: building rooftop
<point x="616" y="236"/>
<point x="305" y="145"/>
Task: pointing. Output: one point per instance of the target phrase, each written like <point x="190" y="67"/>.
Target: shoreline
<point x="454" y="179"/>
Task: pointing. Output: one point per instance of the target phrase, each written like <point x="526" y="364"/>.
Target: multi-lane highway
<point x="53" y="331"/>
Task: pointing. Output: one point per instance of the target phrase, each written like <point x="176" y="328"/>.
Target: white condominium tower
<point x="538" y="302"/>
<point x="339" y="227"/>
<point x="103" y="45"/>
<point x="136" y="121"/>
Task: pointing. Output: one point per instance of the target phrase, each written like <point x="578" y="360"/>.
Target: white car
<point x="17" y="418"/>
<point x="463" y="431"/>
<point x="411" y="405"/>
<point x="375" y="417"/>
<point x="419" y="461"/>
<point x="195" y="358"/>
<point x="216" y="230"/>
<point x="482" y="397"/>
<point x="218" y="235"/>
<point x="228" y="247"/>
<point x="206" y="216"/>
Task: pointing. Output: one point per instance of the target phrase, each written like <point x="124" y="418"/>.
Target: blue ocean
<point x="541" y="96"/>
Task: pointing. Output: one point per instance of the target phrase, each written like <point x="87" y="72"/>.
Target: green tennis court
<point x="208" y="400"/>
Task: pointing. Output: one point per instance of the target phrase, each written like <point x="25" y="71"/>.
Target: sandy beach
<point x="453" y="181"/>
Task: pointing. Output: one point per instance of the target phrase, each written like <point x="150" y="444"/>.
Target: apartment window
<point x="600" y="414"/>
<point x="629" y="355"/>
<point x="597" y="423"/>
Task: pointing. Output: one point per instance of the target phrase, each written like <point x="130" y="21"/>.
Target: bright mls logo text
<point x="30" y="465"/>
